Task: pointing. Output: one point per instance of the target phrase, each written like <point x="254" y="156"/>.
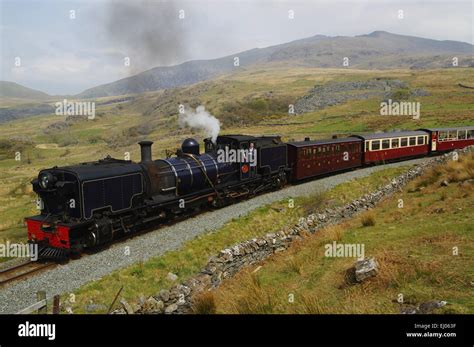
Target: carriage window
<point x="462" y="134"/>
<point x="376" y="145"/>
<point x="442" y="135"/>
<point x="366" y="146"/>
<point x="452" y="135"/>
<point x="404" y="142"/>
<point x="395" y="143"/>
<point x="421" y="140"/>
<point x="385" y="144"/>
<point x="412" y="141"/>
<point x="470" y="134"/>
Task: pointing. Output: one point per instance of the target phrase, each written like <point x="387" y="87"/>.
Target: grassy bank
<point x="425" y="250"/>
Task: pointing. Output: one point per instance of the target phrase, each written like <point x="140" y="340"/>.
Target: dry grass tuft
<point x="295" y="264"/>
<point x="368" y="219"/>
<point x="311" y="305"/>
<point x="204" y="303"/>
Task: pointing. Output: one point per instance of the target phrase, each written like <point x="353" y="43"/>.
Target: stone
<point x="429" y="306"/>
<point x="408" y="309"/>
<point x="226" y="255"/>
<point x="171" y="308"/>
<point x="171" y="277"/>
<point x="152" y="305"/>
<point x="365" y="269"/>
<point x="445" y="183"/>
<point x="95" y="308"/>
<point x="127" y="307"/>
<point x="165" y="294"/>
<point x="184" y="289"/>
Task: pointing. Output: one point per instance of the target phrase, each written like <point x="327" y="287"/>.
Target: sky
<point x="64" y="47"/>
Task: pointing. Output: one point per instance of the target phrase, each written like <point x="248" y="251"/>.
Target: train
<point x="94" y="203"/>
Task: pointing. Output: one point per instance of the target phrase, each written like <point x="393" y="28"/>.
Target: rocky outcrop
<point x="329" y="94"/>
<point x="225" y="264"/>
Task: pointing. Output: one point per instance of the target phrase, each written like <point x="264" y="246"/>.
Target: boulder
<point x="365" y="269"/>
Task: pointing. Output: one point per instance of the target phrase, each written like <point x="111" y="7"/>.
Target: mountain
<point x="377" y="50"/>
<point x="15" y="90"/>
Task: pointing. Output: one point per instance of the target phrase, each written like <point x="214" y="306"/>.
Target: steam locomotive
<point x="91" y="204"/>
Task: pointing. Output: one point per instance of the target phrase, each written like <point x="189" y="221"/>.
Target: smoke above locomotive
<point x="201" y="120"/>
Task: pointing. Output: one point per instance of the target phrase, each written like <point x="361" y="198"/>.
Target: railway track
<point x="22" y="270"/>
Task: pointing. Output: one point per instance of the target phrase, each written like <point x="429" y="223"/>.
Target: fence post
<point x="41" y="295"/>
<point x="56" y="304"/>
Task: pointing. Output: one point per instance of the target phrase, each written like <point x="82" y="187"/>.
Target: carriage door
<point x="434" y="136"/>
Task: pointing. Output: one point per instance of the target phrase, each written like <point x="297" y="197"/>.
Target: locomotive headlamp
<point x="45" y="180"/>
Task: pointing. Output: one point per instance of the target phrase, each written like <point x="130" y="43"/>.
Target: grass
<point x="425" y="252"/>
<point x="204" y="303"/>
<point x="147" y="278"/>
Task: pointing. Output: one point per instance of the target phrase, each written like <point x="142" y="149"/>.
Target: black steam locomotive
<point x="93" y="203"/>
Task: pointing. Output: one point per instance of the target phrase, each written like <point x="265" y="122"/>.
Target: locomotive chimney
<point x="145" y="147"/>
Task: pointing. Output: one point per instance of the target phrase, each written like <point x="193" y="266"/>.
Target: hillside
<point x="15" y="90"/>
<point x="378" y="50"/>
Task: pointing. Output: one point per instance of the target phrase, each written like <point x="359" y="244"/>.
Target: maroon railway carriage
<point x="313" y="158"/>
<point x="394" y="146"/>
<point x="448" y="139"/>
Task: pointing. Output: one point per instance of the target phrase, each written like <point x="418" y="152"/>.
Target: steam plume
<point x="201" y="120"/>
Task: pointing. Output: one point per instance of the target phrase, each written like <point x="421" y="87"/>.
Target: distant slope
<point x="378" y="50"/>
<point x="15" y="90"/>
